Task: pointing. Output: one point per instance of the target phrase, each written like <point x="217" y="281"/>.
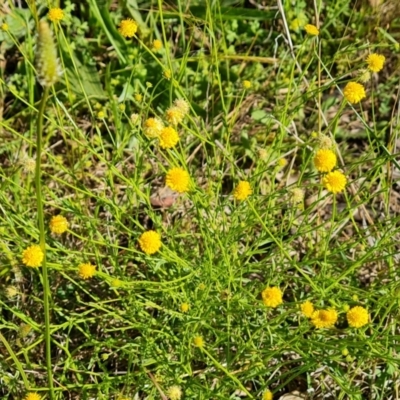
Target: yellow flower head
<point x="55" y="14"/>
<point x="4" y="27"/>
<point x="198" y="341"/>
<point x="174" y="115"/>
<point x="182" y="105"/>
<point x="354" y="92"/>
<point x="375" y="62"/>
<point x="32" y="396"/>
<point x="242" y="191"/>
<point x="86" y="270"/>
<point x="178" y="179"/>
<point x="185" y="307"/>
<point x="167" y="74"/>
<point x="324" y="318"/>
<point x="272" y="296"/>
<point x="128" y="28"/>
<point x="335" y="181"/>
<point x="168" y="138"/>
<point x="307" y="309"/>
<point x="268" y="395"/>
<point x="150" y="242"/>
<point x="58" y="224"/>
<point x="311" y="30"/>
<point x="325" y="160"/>
<point x="138" y="97"/>
<point x="157" y="45"/>
<point x="32" y="256"/>
<point x="153" y="127"/>
<point x="174" y="393"/>
<point x="246" y="84"/>
<point x="357" y="317"/>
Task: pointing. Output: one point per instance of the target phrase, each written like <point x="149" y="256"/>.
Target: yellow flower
<point x="4" y="27"/>
<point x="375" y="62"/>
<point x="150" y="242"/>
<point x="335" y="181"/>
<point x="167" y="74"/>
<point x="357" y="317"/>
<point x="55" y="14"/>
<point x="311" y="30"/>
<point x="198" y="341"/>
<point x="182" y="105"/>
<point x="138" y="97"/>
<point x="282" y="162"/>
<point x="324" y="318"/>
<point x="246" y="84"/>
<point x="101" y="114"/>
<point x="58" y="224"/>
<point x="268" y="395"/>
<point x="168" y="138"/>
<point x="153" y="127"/>
<point x="32" y="396"/>
<point x="174" y="393"/>
<point x="272" y="296"/>
<point x="185" y="307"/>
<point x="157" y="45"/>
<point x="325" y="160"/>
<point x="128" y="28"/>
<point x="174" y="115"/>
<point x="178" y="179"/>
<point x="354" y="92"/>
<point x="307" y="309"/>
<point x="86" y="270"/>
<point x="242" y="190"/>
<point x="32" y="256"/>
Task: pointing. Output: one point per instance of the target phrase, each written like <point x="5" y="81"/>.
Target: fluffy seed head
<point x="128" y="28"/>
<point x="242" y="191"/>
<point x="325" y="160"/>
<point x="33" y="256"/>
<point x="55" y="14"/>
<point x="324" y="318"/>
<point x="150" y="242"/>
<point x="58" y="224"/>
<point x="86" y="270"/>
<point x="178" y="179"/>
<point x="354" y="92"/>
<point x="357" y="317"/>
<point x="153" y="127"/>
<point x="174" y="115"/>
<point x="11" y="291"/>
<point x="311" y="30"/>
<point x="297" y="195"/>
<point x="182" y="105"/>
<point x="335" y="181"/>
<point x="272" y="296"/>
<point x="375" y="62"/>
<point x="174" y="393"/>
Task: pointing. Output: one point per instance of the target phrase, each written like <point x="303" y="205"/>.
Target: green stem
<point x="42" y="240"/>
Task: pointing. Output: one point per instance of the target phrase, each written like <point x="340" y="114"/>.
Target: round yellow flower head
<point x="167" y="74"/>
<point x="272" y="296"/>
<point x="86" y="270"/>
<point x="168" y="138"/>
<point x="246" y="84"/>
<point x="101" y="114"/>
<point x="307" y="309"/>
<point x="150" y="242"/>
<point x="325" y="160"/>
<point x="58" y="224"/>
<point x="375" y="62"/>
<point x="182" y="105"/>
<point x="128" y="28"/>
<point x="357" y="317"/>
<point x="138" y="97"/>
<point x="185" y="307"/>
<point x="174" y="393"/>
<point x="32" y="256"/>
<point x="324" y="318"/>
<point x="174" y="115"/>
<point x="32" y="396"/>
<point x="4" y="27"/>
<point x="24" y="330"/>
<point x="157" y="45"/>
<point x="268" y="395"/>
<point x="55" y="14"/>
<point x="311" y="30"/>
<point x="242" y="191"/>
<point x="354" y="92"/>
<point x="178" y="179"/>
<point x="153" y="127"/>
<point x="198" y="341"/>
<point x="335" y="181"/>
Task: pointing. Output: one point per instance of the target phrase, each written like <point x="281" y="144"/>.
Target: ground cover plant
<point x="199" y="200"/>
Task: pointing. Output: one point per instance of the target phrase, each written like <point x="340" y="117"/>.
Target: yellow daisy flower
<point x="185" y="307"/>
<point x="354" y="92"/>
<point x="55" y="14"/>
<point x="32" y="396"/>
<point x="178" y="179"/>
<point x="357" y="317"/>
<point x="86" y="270"/>
<point x="307" y="309"/>
<point x="182" y="105"/>
<point x="168" y="138"/>
<point x="58" y="224"/>
<point x="33" y="256"/>
<point x="157" y="45"/>
<point x="334" y="182"/>
<point x="325" y="160"/>
<point x="268" y="395"/>
<point x="311" y="30"/>
<point x="242" y="191"/>
<point x="324" y="318"/>
<point x="198" y="341"/>
<point x="246" y="84"/>
<point x="375" y="62"/>
<point x="174" y="393"/>
<point x="272" y="296"/>
<point x="153" y="127"/>
<point x="150" y="242"/>
<point x="128" y="28"/>
<point x="174" y="115"/>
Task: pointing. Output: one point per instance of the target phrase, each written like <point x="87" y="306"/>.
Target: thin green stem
<point x="42" y="240"/>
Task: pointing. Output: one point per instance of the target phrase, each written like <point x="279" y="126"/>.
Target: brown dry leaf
<point x="293" y="396"/>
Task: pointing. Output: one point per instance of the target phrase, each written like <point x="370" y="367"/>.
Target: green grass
<point x="122" y="334"/>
